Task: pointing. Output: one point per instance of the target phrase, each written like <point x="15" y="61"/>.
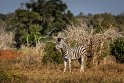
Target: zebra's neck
<point x="65" y="48"/>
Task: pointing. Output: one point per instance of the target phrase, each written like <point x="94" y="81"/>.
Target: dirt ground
<point x="9" y="54"/>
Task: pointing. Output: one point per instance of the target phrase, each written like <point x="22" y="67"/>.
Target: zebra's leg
<point x="69" y="65"/>
<point x="79" y="60"/>
<point x="65" y="65"/>
<point x="82" y="64"/>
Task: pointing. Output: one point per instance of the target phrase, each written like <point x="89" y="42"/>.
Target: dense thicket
<point x="117" y="49"/>
<point x="51" y="54"/>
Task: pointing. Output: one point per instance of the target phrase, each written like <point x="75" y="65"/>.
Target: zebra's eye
<point x="59" y="39"/>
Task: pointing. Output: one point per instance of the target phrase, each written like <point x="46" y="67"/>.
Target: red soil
<point x="8" y="54"/>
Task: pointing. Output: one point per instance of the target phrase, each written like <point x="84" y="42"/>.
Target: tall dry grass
<point x="108" y="73"/>
<point x="6" y="38"/>
<point x="32" y="55"/>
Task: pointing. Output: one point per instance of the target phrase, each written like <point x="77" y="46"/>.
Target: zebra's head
<point x="59" y="43"/>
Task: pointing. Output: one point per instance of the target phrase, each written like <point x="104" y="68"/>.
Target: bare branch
<point x="47" y="34"/>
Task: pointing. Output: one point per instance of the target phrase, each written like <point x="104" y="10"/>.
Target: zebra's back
<point x="78" y="52"/>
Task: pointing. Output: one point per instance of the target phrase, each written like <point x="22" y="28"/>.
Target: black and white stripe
<point x="69" y="53"/>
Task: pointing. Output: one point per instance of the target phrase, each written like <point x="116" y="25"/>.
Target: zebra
<point x="68" y="53"/>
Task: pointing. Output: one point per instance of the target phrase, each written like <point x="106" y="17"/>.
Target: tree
<point x="120" y="21"/>
<point x="27" y="27"/>
<point x="117" y="49"/>
<point x="54" y="13"/>
<point x="81" y="14"/>
<point x="39" y="18"/>
<point x="2" y="16"/>
<point x="102" y="22"/>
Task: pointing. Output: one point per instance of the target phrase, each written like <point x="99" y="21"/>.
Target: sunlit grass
<point x="52" y="73"/>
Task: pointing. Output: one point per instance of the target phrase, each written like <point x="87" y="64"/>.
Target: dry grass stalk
<point x="32" y="54"/>
<point x="6" y="38"/>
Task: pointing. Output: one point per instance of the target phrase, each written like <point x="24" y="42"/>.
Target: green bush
<point x="117" y="49"/>
<point x="51" y="54"/>
<point x="73" y="43"/>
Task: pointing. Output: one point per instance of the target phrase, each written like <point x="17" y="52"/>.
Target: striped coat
<point x="69" y="53"/>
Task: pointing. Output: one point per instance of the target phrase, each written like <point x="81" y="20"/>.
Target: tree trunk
<point x="27" y="39"/>
<point x="35" y="36"/>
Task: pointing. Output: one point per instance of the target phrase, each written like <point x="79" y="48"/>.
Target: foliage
<point x="54" y="13"/>
<point x="120" y="22"/>
<point x="73" y="43"/>
<point x="51" y="54"/>
<point x="102" y="22"/>
<point x="2" y="16"/>
<point x="27" y="27"/>
<point x="38" y="19"/>
<point x="117" y="49"/>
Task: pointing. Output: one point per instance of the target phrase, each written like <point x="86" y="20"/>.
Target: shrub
<point x="51" y="54"/>
<point x="31" y="55"/>
<point x="6" y="38"/>
<point x="117" y="49"/>
<point x="73" y="43"/>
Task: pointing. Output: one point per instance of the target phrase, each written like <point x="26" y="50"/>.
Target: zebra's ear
<point x="65" y="38"/>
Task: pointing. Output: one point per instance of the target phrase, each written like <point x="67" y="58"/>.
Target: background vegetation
<point x="27" y="48"/>
<point x="117" y="48"/>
